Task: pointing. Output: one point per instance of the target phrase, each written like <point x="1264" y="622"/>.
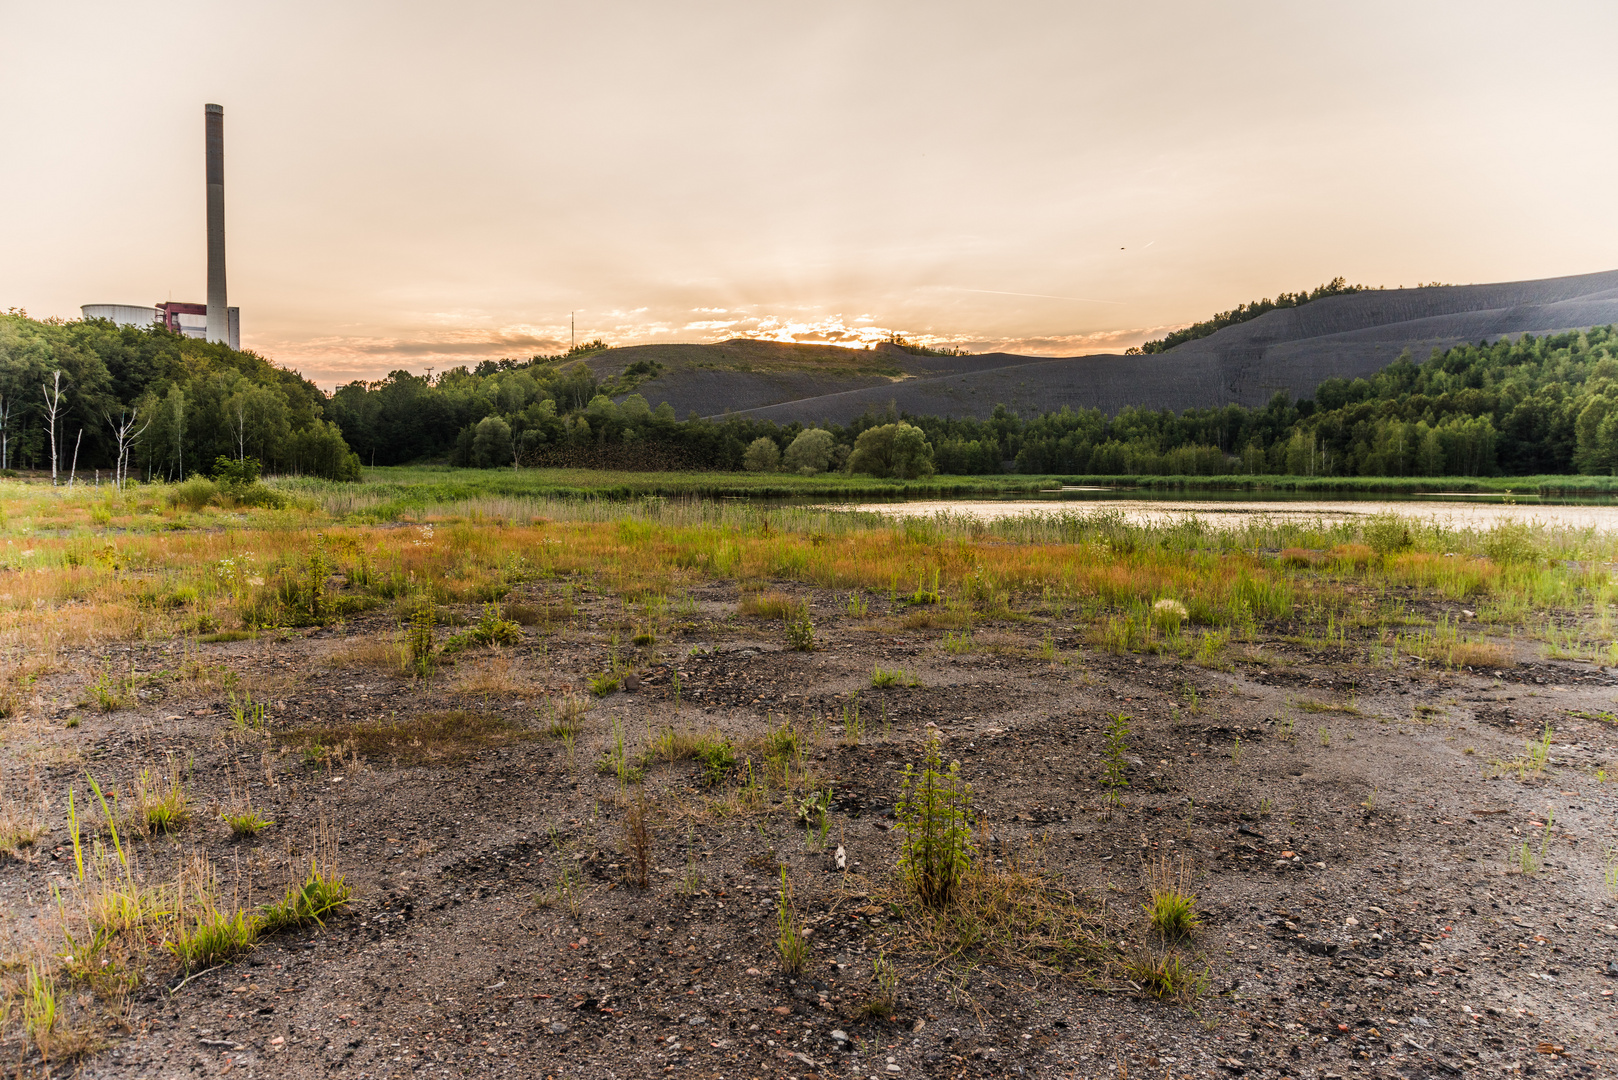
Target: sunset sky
<point x="417" y="185"/>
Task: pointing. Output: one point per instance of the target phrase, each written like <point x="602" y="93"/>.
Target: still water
<point x="1453" y="510"/>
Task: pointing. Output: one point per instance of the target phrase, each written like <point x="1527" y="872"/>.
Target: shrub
<point x="800" y="630"/>
<point x="934" y="811"/>
<point x="192" y="494"/>
<point x="1387" y="534"/>
<point x="231" y="473"/>
<point x="1510" y="542"/>
<point x="810" y="452"/>
<point x="897" y="450"/>
<point x="762" y="455"/>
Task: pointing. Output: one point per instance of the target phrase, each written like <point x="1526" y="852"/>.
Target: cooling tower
<point x="218" y="306"/>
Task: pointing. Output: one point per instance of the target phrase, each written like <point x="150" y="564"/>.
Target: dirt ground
<point x="1359" y="870"/>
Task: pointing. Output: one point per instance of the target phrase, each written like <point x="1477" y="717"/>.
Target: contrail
<point x="1036" y="295"/>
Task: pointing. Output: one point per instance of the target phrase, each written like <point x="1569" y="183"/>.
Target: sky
<point x="418" y="185"/>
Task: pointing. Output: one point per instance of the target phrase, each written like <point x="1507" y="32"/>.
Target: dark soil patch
<point x="1357" y="873"/>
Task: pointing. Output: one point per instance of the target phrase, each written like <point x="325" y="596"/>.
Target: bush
<point x="1511" y="542"/>
<point x="762" y="456"/>
<point x="319" y="450"/>
<point x="896" y="450"/>
<point x="1387" y="534"/>
<point x="192" y="494"/>
<point x="236" y="474"/>
<point x="810" y="452"/>
<point x="491" y="443"/>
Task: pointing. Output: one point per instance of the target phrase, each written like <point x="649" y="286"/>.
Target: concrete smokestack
<point x="218" y="309"/>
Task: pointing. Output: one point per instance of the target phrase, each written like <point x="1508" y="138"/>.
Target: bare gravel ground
<point x="1360" y="870"/>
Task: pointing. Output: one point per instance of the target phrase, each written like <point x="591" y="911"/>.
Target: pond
<point x="1455" y="510"/>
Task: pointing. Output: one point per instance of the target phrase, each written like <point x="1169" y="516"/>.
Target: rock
<point x="839" y="1036"/>
<point x="631" y="682"/>
<point x="558" y="1028"/>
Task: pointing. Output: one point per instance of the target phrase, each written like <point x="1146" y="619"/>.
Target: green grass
<point x="246" y="823"/>
<point x="322" y="894"/>
<point x="209" y="937"/>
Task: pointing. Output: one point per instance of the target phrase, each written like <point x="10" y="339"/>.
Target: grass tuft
<point x="1172" y="910"/>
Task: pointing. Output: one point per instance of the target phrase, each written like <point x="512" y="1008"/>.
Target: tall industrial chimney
<point x="218" y="311"/>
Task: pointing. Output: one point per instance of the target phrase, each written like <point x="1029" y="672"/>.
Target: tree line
<point x="76" y="396"/>
<point x="1241" y="313"/>
<point x="1536" y="405"/>
<point x="91" y="396"/>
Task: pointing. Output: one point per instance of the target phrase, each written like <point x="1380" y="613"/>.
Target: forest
<point x="77" y="398"/>
<point x="1546" y="405"/>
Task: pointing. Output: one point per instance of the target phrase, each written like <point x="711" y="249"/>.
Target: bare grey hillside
<point x="1292" y="350"/>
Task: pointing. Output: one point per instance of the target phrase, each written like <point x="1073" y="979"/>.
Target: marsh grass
<point x="882" y="677"/>
<point x="1309" y="705"/>
<point x="206" y="936"/>
<point x="711" y="750"/>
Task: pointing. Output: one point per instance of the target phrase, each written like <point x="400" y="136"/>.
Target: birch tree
<point x="126" y="433"/>
<point x="53" y="405"/>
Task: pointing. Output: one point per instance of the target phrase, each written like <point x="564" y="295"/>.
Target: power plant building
<point x="215" y="320"/>
<point x="188" y="319"/>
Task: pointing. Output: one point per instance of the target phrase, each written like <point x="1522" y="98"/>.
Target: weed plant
<point x="1115" y="765"/>
<point x="419" y="638"/>
<point x="800" y="630"/>
<point x="638" y="843"/>
<point x="884" y="999"/>
<point x="322" y="893"/>
<point x="934" y="812"/>
<point x="790" y="944"/>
